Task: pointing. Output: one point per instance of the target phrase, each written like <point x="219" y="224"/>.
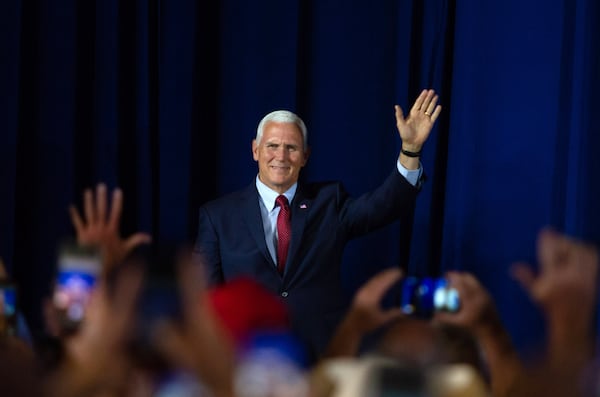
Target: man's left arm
<point x="396" y="196"/>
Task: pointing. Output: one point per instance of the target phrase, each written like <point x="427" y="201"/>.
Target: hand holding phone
<point x="78" y="269"/>
<point x="424" y="296"/>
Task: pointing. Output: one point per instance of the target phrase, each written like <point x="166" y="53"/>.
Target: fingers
<point x="461" y="281"/>
<point x="442" y="317"/>
<point x="558" y="250"/>
<point x="96" y="206"/>
<point x="399" y="116"/>
<point x="524" y="275"/>
<point x="468" y="282"/>
<point x="420" y="101"/>
<point x="391" y="314"/>
<point x="549" y="248"/>
<point x="385" y="279"/>
<point x="429" y="106"/>
<point x="377" y="286"/>
<point x="101" y="202"/>
<point x="436" y="113"/>
<point x="425" y="104"/>
<point x="136" y="240"/>
<point x="116" y="207"/>
<point x="88" y="206"/>
<point x="76" y="220"/>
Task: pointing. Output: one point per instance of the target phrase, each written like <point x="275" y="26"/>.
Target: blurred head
<point x="420" y="343"/>
<point x="280" y="149"/>
<point x="270" y="359"/>
<point x="371" y="375"/>
<point x="245" y="308"/>
<point x="411" y="341"/>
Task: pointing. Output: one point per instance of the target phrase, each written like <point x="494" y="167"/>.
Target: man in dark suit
<point x="247" y="233"/>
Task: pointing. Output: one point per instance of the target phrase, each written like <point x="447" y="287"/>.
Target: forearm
<point x="347" y="338"/>
<point x="570" y="342"/>
<point x="501" y="357"/>
<point x="394" y="199"/>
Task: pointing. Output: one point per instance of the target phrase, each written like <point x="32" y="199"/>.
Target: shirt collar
<point x="268" y="195"/>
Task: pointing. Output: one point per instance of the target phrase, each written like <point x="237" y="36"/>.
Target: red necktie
<point x="284" y="232"/>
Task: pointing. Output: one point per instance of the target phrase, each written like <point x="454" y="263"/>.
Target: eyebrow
<point x="287" y="145"/>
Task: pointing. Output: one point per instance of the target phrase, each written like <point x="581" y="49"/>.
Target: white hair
<point x="282" y="116"/>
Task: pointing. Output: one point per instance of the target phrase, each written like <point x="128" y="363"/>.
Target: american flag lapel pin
<point x="303" y="206"/>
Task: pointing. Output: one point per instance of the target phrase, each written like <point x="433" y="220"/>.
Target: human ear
<point x="255" y="150"/>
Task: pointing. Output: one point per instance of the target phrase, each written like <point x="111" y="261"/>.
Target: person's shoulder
<point x="314" y="189"/>
<point x="230" y="198"/>
<point x="318" y="185"/>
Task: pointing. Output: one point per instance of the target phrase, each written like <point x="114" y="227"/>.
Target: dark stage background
<point x="162" y="99"/>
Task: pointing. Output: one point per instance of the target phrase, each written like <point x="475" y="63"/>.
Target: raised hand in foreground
<point x="99" y="226"/>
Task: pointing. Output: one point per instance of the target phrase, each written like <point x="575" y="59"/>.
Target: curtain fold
<point x="162" y="99"/>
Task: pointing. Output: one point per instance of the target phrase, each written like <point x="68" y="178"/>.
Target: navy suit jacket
<point x="231" y="242"/>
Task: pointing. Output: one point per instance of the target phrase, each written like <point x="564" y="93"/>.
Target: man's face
<point x="280" y="155"/>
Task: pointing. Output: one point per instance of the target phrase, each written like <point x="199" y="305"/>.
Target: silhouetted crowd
<point x="133" y="317"/>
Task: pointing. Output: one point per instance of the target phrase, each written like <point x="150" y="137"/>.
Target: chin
<point x="280" y="179"/>
<point x="281" y="183"/>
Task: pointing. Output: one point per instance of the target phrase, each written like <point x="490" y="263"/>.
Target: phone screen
<point x="78" y="269"/>
<point x="423" y="296"/>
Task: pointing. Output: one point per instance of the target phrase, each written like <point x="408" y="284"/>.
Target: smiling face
<point x="280" y="155"/>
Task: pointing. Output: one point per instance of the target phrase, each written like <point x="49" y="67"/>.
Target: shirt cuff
<point x="412" y="176"/>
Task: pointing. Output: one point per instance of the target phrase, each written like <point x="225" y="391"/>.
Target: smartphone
<point x="8" y="307"/>
<point x="78" y="270"/>
<point x="422" y="297"/>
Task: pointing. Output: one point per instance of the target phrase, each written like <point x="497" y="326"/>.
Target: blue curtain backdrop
<point x="162" y="99"/>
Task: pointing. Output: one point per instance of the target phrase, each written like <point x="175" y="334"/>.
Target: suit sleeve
<point x="206" y="248"/>
<point x="394" y="199"/>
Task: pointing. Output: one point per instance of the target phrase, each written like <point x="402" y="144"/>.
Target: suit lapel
<point x="251" y="212"/>
<point x="300" y="207"/>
